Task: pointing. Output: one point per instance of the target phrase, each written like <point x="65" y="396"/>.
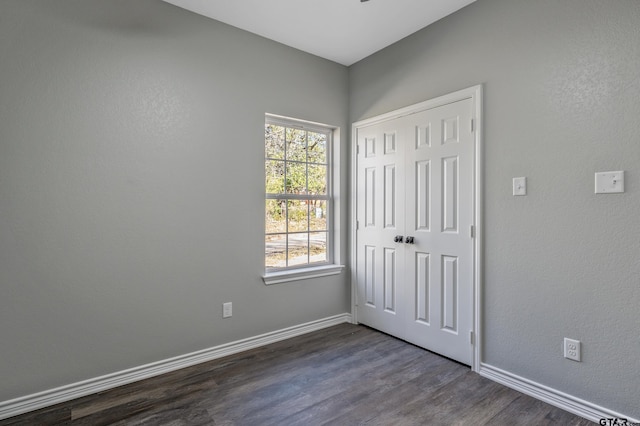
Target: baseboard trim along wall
<point x="551" y="396"/>
<point x="51" y="397"/>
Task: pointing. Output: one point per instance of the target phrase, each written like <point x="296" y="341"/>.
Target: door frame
<point x="475" y="93"/>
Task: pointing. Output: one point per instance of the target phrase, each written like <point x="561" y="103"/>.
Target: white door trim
<point x="475" y="93"/>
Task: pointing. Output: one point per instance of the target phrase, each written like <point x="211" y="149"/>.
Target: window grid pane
<point x="275" y="176"/>
<point x="275" y="216"/>
<point x="296" y="177"/>
<point x="274" y="142"/>
<point x="318" y="247"/>
<point x="297" y="216"/>
<point x="317" y="148"/>
<point x="318" y="215"/>
<point x="275" y="248"/>
<point x="296" y="145"/>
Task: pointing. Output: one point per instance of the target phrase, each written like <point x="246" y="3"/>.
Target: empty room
<point x="336" y="212"/>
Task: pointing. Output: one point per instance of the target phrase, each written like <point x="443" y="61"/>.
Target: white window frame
<point x="331" y="266"/>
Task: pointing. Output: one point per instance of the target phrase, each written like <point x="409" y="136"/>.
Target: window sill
<point x="301" y="274"/>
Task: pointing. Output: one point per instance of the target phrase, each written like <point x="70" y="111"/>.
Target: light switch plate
<point x="519" y="186"/>
<point x="227" y="310"/>
<point x="609" y="182"/>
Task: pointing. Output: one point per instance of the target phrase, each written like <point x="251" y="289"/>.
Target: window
<point x="298" y="196"/>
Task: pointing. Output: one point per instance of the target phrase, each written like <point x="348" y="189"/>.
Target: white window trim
<point x="301" y="274"/>
<point x="333" y="266"/>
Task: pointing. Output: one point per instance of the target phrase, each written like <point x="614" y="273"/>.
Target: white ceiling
<point x="343" y="31"/>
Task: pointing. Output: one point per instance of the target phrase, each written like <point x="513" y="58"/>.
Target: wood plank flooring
<point x="343" y="375"/>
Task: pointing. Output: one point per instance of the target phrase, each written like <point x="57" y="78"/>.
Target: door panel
<point x="389" y="283"/>
<point x="369" y="276"/>
<point x="422" y="288"/>
<point x="390" y="195"/>
<point x="379" y="259"/>
<point x="449" y="294"/>
<point x="423" y="195"/>
<point x="448" y="196"/>
<point x="449" y="191"/>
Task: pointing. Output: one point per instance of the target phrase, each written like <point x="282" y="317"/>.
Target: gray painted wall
<point x="124" y="222"/>
<point x="562" y="101"/>
<point x="131" y="186"/>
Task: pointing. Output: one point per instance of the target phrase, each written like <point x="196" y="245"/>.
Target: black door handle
<point x="409" y="240"/>
<point x="398" y="239"/>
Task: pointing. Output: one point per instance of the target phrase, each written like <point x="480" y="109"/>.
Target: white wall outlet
<point x="609" y="182"/>
<point x="572" y="349"/>
<point x="227" y="310"/>
<point x="519" y="186"/>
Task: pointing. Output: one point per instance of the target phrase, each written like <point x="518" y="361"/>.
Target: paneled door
<point x="415" y="227"/>
<point x="381" y="222"/>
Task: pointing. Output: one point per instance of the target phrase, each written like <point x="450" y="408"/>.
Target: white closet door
<point x="380" y="216"/>
<point x="439" y="211"/>
<point x="415" y="179"/>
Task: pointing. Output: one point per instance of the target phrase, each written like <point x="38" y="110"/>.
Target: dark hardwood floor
<point x="343" y="375"/>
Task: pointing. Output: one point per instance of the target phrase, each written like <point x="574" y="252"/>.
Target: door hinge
<point x="473" y="127"/>
<point x="357" y="148"/>
<point x="357" y="224"/>
<point x="471" y="337"/>
<point x="472" y="231"/>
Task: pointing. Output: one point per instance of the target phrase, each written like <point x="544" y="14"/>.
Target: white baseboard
<point x="551" y="396"/>
<point x="51" y="397"/>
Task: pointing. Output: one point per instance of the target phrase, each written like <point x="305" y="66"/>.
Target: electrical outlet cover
<point x="572" y="349"/>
